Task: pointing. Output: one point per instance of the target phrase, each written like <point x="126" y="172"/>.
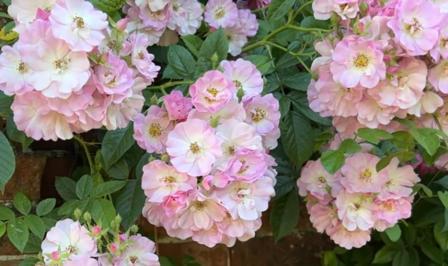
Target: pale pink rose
<point x="440" y="50"/>
<point x="70" y="239"/>
<point x="263" y="113"/>
<point x="119" y="115"/>
<point x="438" y="77"/>
<point x="176" y="202"/>
<point x="371" y="114"/>
<point x="232" y="110"/>
<point x="139" y="251"/>
<point x="210" y="237"/>
<point x="155" y="20"/>
<point x="270" y="139"/>
<point x="400" y="181"/>
<point x="24" y="11"/>
<point x="177" y="106"/>
<point x="247" y="23"/>
<point x="247" y="79"/>
<point x="211" y="91"/>
<point x="359" y="174"/>
<point x="85" y="261"/>
<point x="114" y="78"/>
<point x="323" y="217"/>
<point x="358" y="61"/>
<point x="404" y="89"/>
<point x="161" y="180"/>
<point x="221" y="13"/>
<point x="346" y="9"/>
<point x="246" y="200"/>
<point x="314" y="179"/>
<point x="236" y="40"/>
<point x="201" y="214"/>
<point x="331" y="99"/>
<point x="392" y="210"/>
<point x="79" y="24"/>
<point x="323" y="9"/>
<point x="247" y="165"/>
<point x="416" y="26"/>
<point x="193" y="147"/>
<point x="14" y="72"/>
<point x="151" y="131"/>
<point x="186" y="17"/>
<point x="349" y="239"/>
<point x="33" y="116"/>
<point x="142" y="60"/>
<point x="154" y="5"/>
<point x="428" y="104"/>
<point x="34" y="36"/>
<point x="355" y="210"/>
<point x="236" y="136"/>
<point x="58" y="71"/>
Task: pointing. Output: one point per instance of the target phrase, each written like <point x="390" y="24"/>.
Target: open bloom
<point x="247" y="165"/>
<point x="139" y="251"/>
<point x="400" y="181"/>
<point x="355" y="210"/>
<point x="79" y="24"/>
<point x="161" y="180"/>
<point x="438" y="76"/>
<point x="416" y="25"/>
<point x="70" y="240"/>
<point x="349" y="239"/>
<point x="14" y="72"/>
<point x="193" y="147"/>
<point x="24" y="11"/>
<point x="201" y="214"/>
<point x="263" y="113"/>
<point x="186" y="17"/>
<point x="357" y="61"/>
<point x="314" y="179"/>
<point x="211" y="91"/>
<point x="177" y="105"/>
<point x="221" y="13"/>
<point x="359" y="174"/>
<point x="245" y="76"/>
<point x="151" y="131"/>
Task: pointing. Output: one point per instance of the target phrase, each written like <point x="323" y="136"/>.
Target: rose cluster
<point x="69" y="72"/>
<point x="387" y="60"/>
<point x="357" y="199"/>
<point x="69" y="243"/>
<point x="214" y="177"/>
<point x="160" y="20"/>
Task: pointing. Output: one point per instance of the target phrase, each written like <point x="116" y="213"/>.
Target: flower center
<point x="366" y="175"/>
<point x="443" y="43"/>
<point x="169" y="179"/>
<point x="361" y="61"/>
<point x="22" y="68"/>
<point x="322" y="180"/>
<point x="141" y="55"/>
<point x="243" y="167"/>
<point x="198" y="205"/>
<point x="238" y="85"/>
<point x="61" y="64"/>
<point x="258" y="114"/>
<point x="213" y="91"/>
<point x="414" y="27"/>
<point x="71" y="249"/>
<point x="79" y="22"/>
<point x="133" y="259"/>
<point x="155" y="130"/>
<point x="231" y="150"/>
<point x="389" y="206"/>
<point x="194" y="148"/>
<point x="220" y="13"/>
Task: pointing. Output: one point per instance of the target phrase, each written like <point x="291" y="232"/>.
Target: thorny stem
<point x="87" y="152"/>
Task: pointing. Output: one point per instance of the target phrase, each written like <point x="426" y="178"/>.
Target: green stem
<point x="87" y="153"/>
<point x="170" y="84"/>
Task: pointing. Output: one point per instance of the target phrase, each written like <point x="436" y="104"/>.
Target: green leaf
<point x="84" y="187"/>
<point x="18" y="234"/>
<point x="181" y="61"/>
<point x="332" y="160"/>
<point x="115" y="144"/>
<point x="30" y="261"/>
<point x="295" y="80"/>
<point x="426" y="190"/>
<point x="45" y="207"/>
<point x="66" y="187"/>
<point x="285" y="214"/>
<point x="22" y="203"/>
<point x="108" y="6"/>
<point x="215" y="45"/>
<point x="431" y="251"/>
<point x="443" y="196"/>
<point x="440" y="236"/>
<point x="109" y="187"/>
<point x="129" y="202"/>
<point x="330" y="259"/>
<point x="193" y="43"/>
<point x="401" y="258"/>
<point x="443" y="182"/>
<point x="6" y="214"/>
<point x="15" y="135"/>
<point x="385" y="254"/>
<point x="103" y="212"/>
<point x="119" y="170"/>
<point x="7" y="161"/>
<point x="263" y="63"/>
<point x="279" y="8"/>
<point x="297" y="138"/>
<point x="5" y="105"/>
<point x="349" y="146"/>
<point x="373" y="135"/>
<point x="427" y="138"/>
<point x="36" y="225"/>
<point x="2" y="229"/>
<point x="394" y="233"/>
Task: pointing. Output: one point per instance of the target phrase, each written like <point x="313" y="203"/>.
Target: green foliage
<point x="285" y="214"/>
<point x="115" y="144"/>
<point x="7" y="161"/>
